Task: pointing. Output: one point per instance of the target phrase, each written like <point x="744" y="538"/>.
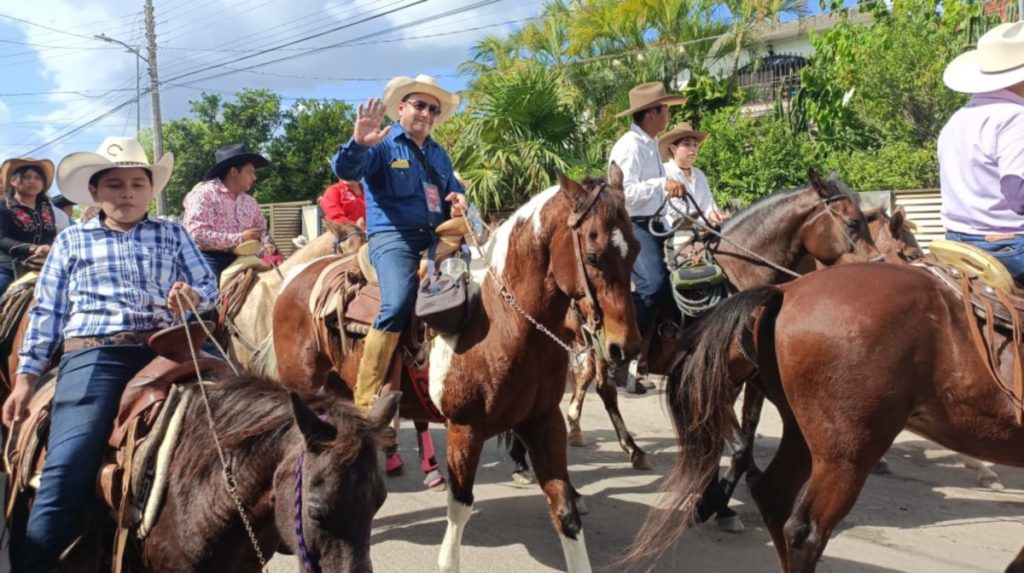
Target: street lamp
<point x="138" y="79"/>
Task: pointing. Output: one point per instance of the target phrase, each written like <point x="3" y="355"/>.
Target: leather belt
<point x="995" y="238"/>
<point x="118" y="338"/>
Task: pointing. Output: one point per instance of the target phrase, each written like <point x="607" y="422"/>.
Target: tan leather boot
<point x="378" y="348"/>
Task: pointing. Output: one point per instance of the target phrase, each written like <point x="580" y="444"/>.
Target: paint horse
<point x="249" y="324"/>
<point x="821" y="222"/>
<point x="506" y="370"/>
<point x="851" y="356"/>
<point x="306" y="478"/>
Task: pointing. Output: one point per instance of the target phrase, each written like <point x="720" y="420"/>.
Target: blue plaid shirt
<point x="98" y="282"/>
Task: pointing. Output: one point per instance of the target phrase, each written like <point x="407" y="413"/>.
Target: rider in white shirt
<point x="679" y="147"/>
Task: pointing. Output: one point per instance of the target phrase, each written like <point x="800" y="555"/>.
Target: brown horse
<point x="250" y="328"/>
<point x="821" y="222"/>
<point x="507" y="368"/>
<point x="851" y="356"/>
<point x="308" y="480"/>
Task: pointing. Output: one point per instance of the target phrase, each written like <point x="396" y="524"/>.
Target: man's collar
<point x="397" y="131"/>
<point x="999" y="95"/>
<point x="97" y="221"/>
<point x="640" y="131"/>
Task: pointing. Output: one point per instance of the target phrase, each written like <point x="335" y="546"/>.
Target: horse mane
<point x="756" y="211"/>
<point x="251" y="414"/>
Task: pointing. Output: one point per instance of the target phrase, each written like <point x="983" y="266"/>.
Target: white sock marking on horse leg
<point x="442" y="351"/>
<point x="574" y="410"/>
<point x="458" y="515"/>
<point x="619" y="240"/>
<point x="576" y="558"/>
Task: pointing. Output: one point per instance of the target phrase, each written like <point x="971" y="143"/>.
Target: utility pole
<point x="154" y="90"/>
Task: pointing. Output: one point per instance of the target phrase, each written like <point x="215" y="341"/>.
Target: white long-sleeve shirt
<point x="697" y="187"/>
<point x="643" y="176"/>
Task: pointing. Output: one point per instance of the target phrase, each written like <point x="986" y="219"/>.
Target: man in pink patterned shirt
<point x="219" y="212"/>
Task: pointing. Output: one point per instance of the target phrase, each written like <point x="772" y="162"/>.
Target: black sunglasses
<point x="435" y="110"/>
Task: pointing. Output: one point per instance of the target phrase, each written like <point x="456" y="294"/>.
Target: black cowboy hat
<point x="232" y="155"/>
<point x="59" y="201"/>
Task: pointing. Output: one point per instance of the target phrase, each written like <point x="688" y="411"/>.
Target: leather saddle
<point x="139" y="409"/>
<point x="989" y="295"/>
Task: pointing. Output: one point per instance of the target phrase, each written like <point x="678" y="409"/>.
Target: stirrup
<point x="697" y="276"/>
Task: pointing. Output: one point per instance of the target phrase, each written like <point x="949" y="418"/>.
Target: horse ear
<point x="615" y="176"/>
<point x="897" y="221"/>
<point x="819" y="184"/>
<point x="315" y="432"/>
<point x="383" y="412"/>
<point x="573" y="191"/>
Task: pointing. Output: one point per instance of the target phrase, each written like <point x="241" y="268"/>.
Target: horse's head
<point x="341" y="486"/>
<point x="837" y="231"/>
<point x="592" y="255"/>
<point x="348" y="237"/>
<point x="894" y="235"/>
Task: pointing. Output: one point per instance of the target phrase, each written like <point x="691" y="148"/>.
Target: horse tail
<point x="700" y="394"/>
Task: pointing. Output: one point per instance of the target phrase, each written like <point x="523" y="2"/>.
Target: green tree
<point x="312" y="132"/>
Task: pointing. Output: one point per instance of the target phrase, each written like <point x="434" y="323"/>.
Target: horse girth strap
<point x="987" y="349"/>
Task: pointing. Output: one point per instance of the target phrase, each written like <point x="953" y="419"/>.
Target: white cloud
<point x="184" y="25"/>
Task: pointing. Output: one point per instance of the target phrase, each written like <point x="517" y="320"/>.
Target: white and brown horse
<point x="507" y="368"/>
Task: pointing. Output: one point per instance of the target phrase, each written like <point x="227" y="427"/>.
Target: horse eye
<point x="852" y="223"/>
<point x="592" y="258"/>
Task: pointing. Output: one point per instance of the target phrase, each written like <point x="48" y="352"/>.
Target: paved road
<point x="927" y="516"/>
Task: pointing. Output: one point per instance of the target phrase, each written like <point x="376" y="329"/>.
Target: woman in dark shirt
<point x="27" y="227"/>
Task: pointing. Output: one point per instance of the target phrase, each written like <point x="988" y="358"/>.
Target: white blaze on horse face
<point x="575" y="550"/>
<point x="442" y="350"/>
<point x="619" y="240"/>
<point x="458" y="515"/>
<point x="531" y="211"/>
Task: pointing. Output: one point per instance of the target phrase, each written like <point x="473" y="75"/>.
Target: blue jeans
<point x="218" y="261"/>
<point x="396" y="257"/>
<point x="1009" y="252"/>
<point x="650" y="275"/>
<point x="6" y="278"/>
<point x="89" y="387"/>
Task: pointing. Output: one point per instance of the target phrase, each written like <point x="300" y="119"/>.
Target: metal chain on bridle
<point x="229" y="479"/>
<point x="593" y="321"/>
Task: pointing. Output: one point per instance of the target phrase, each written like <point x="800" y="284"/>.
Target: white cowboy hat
<point x="74" y="171"/>
<point x="648" y="95"/>
<point x="675" y="134"/>
<point x="398" y="88"/>
<point x="997" y="63"/>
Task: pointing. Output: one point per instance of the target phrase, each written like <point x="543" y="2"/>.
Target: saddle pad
<point x="241" y="264"/>
<point x="974" y="262"/>
<point x="324" y="299"/>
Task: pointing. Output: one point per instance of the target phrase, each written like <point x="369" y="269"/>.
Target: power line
<point x="79" y="128"/>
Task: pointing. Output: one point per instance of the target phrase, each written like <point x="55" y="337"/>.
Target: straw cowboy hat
<point x="401" y="86"/>
<point x="648" y="95"/>
<point x="675" y="134"/>
<point x="231" y="155"/>
<point x="997" y="63"/>
<point x="11" y="165"/>
<point x="74" y="171"/>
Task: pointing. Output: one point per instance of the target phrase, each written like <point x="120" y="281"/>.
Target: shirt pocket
<point x="402" y="178"/>
<point x="159" y="266"/>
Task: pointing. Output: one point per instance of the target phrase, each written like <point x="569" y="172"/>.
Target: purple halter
<point x="308" y="562"/>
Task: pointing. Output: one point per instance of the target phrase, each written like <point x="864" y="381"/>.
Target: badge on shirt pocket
<point x="400" y="164"/>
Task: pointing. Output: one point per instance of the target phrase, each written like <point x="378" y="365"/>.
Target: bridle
<point x="826" y="204"/>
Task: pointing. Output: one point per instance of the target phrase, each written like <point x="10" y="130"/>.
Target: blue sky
<point x="57" y="77"/>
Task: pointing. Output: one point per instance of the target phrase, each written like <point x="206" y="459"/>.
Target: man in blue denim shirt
<point x="410" y="190"/>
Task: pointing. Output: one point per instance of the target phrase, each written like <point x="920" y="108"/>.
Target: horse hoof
<point x="882" y="468"/>
<point x="991" y="482"/>
<point x="640" y="461"/>
<point x="730" y="524"/>
<point x="523" y="479"/>
<point x="577" y="440"/>
<point x="435" y="481"/>
<point x="581" y="506"/>
<point x="394" y="466"/>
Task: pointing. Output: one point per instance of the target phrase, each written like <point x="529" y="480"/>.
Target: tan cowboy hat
<point x="401" y="86"/>
<point x="11" y="165"/>
<point x="648" y="95"/>
<point x="675" y="134"/>
<point x="997" y="63"/>
<point x="74" y="171"/>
